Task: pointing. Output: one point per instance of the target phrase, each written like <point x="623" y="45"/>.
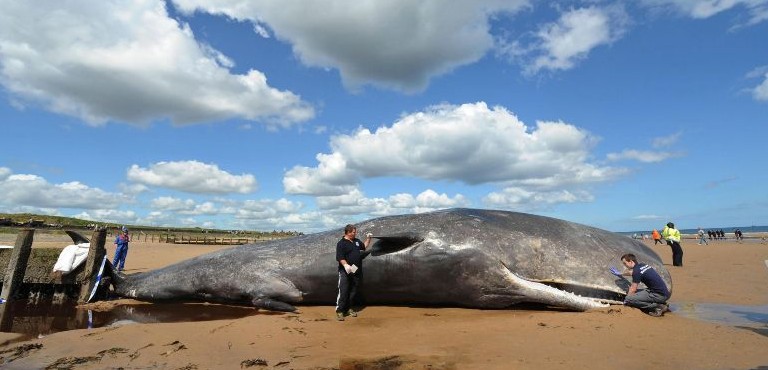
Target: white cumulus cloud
<point x="398" y="44"/>
<point x="183" y="206"/>
<point x="4" y="173"/>
<point x="470" y="143"/>
<point x="700" y="9"/>
<point x="522" y="199"/>
<point x="760" y="92"/>
<point x="356" y="203"/>
<point x="648" y="217"/>
<point x="128" y="62"/>
<point x="651" y="156"/>
<point x="110" y="216"/>
<point x="666" y="141"/>
<point x="35" y="191"/>
<point x="560" y="45"/>
<point x="192" y="177"/>
<point x="646" y="156"/>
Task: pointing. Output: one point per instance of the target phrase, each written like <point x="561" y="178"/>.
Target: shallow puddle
<point x="754" y="318"/>
<point x="46" y="318"/>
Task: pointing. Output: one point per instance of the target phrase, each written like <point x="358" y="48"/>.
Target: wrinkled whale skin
<point x="458" y="257"/>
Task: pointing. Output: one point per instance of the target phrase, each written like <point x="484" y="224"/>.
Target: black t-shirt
<point x="350" y="251"/>
<point x="648" y="276"/>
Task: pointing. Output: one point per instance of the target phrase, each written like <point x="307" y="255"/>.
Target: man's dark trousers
<point x="348" y="284"/>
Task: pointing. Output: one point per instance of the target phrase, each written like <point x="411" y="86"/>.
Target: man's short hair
<point x="629" y="257"/>
<point x="349" y="228"/>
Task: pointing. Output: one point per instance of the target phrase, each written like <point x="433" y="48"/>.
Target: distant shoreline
<point x="728" y="230"/>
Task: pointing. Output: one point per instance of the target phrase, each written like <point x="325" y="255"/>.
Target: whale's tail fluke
<point x="77" y="238"/>
<point x="272" y="305"/>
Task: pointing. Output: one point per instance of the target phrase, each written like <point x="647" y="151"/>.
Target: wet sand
<point x="435" y="338"/>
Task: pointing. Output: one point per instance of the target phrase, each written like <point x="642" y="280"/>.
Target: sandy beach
<point x="528" y="337"/>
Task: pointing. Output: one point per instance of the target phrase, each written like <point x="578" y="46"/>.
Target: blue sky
<point x="307" y="115"/>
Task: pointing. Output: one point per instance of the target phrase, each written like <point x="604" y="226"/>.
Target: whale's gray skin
<point x="457" y="257"/>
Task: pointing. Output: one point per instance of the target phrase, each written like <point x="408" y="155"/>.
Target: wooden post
<point x="95" y="255"/>
<point x="6" y="317"/>
<point x="14" y="274"/>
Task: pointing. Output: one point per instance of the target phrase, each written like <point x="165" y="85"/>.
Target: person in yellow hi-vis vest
<point x="672" y="236"/>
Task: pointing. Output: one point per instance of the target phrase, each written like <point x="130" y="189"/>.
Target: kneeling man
<point x="651" y="300"/>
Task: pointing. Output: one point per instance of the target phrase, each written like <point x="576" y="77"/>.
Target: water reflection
<point x="45" y="318"/>
<point x="754" y="318"/>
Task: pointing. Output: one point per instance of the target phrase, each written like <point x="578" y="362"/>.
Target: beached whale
<point x="457" y="257"/>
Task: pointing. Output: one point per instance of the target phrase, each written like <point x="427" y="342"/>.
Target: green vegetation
<point x="50" y="220"/>
<point x="13" y="220"/>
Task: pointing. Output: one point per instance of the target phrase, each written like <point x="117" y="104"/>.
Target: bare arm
<point x="632" y="289"/>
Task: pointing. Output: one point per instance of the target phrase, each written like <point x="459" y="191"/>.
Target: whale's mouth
<point x="566" y="295"/>
<point x="593" y="293"/>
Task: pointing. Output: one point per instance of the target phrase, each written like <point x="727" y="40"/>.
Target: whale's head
<point x="547" y="260"/>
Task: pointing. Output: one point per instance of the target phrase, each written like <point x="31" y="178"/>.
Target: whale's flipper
<point x="77" y="238"/>
<point x="272" y="305"/>
<point x="394" y="243"/>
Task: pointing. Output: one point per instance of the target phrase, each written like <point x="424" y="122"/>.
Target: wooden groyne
<point x="198" y="239"/>
<point x="25" y="267"/>
<point x="208" y="240"/>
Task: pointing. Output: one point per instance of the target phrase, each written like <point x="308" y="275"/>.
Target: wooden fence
<point x="197" y="239"/>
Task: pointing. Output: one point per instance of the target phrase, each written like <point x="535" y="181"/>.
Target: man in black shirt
<point x="349" y="255"/>
<point x="651" y="300"/>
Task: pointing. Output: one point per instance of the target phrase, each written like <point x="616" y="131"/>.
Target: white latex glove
<point x="348" y="269"/>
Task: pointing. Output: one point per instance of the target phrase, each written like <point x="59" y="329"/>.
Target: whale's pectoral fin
<point x="77" y="238"/>
<point x="272" y="305"/>
<point x="394" y="243"/>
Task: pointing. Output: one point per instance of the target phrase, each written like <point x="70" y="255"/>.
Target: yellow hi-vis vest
<point x="671" y="234"/>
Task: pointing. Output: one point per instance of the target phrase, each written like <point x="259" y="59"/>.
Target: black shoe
<point x="659" y="310"/>
<point x="656" y="312"/>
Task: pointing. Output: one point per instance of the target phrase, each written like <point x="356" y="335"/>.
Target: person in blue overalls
<point x="121" y="249"/>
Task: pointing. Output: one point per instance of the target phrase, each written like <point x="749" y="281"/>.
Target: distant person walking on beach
<point x="651" y="300"/>
<point x="702" y="238"/>
<point x="656" y="237"/>
<point x="672" y="236"/>
<point x="739" y="236"/>
<point x="121" y="249"/>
